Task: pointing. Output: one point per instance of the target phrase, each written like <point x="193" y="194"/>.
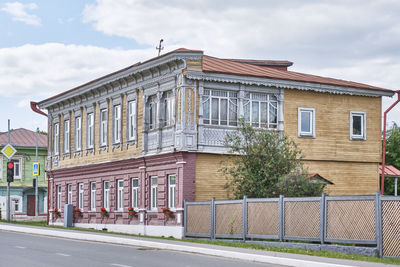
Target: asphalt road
<point x="22" y="250"/>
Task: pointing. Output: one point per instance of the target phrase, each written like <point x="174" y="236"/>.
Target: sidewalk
<point x="285" y="259"/>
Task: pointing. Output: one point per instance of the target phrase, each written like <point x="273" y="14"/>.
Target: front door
<point x="30" y="210"/>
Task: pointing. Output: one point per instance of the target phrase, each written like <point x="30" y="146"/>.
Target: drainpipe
<point x="384" y="141"/>
<point x="37" y="110"/>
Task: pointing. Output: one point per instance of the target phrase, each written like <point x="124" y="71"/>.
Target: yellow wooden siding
<point x="195" y="65"/>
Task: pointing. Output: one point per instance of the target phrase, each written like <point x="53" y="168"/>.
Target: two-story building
<point x="151" y="135"/>
<point x="22" y="192"/>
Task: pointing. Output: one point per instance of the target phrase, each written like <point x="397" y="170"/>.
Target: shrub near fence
<point x="362" y="220"/>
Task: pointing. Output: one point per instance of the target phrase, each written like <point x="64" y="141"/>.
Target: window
<point x="169" y="109"/>
<point x="1" y="167"/>
<point x="135" y="192"/>
<point x="306" y="122"/>
<point x="80" y="195"/>
<point x="66" y="136"/>
<point x="153" y="197"/>
<point x="78" y="134"/>
<point x="131" y="120"/>
<point x="171" y="191"/>
<point x="93" y="196"/>
<point x="17" y="167"/>
<point x="153" y="115"/>
<point x="56" y="138"/>
<point x="59" y="197"/>
<point x="261" y="110"/>
<point x="69" y="197"/>
<point x="90" y="130"/>
<point x="107" y="195"/>
<point x="103" y="127"/>
<point x="120" y="195"/>
<point x="357" y="125"/>
<point x="117" y="124"/>
<point x="219" y="107"/>
<point x="17" y="205"/>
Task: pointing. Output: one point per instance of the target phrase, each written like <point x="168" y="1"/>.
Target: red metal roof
<point x="23" y="137"/>
<point x="229" y="66"/>
<point x="390" y="170"/>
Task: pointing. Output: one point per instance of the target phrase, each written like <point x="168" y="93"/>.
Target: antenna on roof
<point x="159" y="48"/>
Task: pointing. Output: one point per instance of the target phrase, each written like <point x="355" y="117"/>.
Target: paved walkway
<point x="261" y="256"/>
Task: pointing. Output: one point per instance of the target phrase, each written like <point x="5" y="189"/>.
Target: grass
<point x="323" y="253"/>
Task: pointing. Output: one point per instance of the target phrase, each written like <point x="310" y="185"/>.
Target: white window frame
<point x="81" y="191"/>
<point x="59" y="197"/>
<point x="66" y="136"/>
<point x="131" y="120"/>
<point x="78" y="133"/>
<point x="153" y="113"/>
<point x="169" y="109"/>
<point x="120" y="195"/>
<point x="172" y="191"/>
<point x="363" y="135"/>
<point x="268" y="101"/>
<point x="301" y="133"/>
<point x="106" y="195"/>
<point x="56" y="139"/>
<point x="117" y="124"/>
<point x="17" y="165"/>
<point x="90" y="130"/>
<point x="18" y="200"/>
<point x="103" y="127"/>
<point x="93" y="196"/>
<point x="207" y="100"/>
<point x="69" y="193"/>
<point x="135" y="193"/>
<point x="153" y="192"/>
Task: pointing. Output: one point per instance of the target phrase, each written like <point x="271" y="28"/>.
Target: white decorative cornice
<point x="285" y="84"/>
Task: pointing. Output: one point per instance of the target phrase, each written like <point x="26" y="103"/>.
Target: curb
<point x="173" y="247"/>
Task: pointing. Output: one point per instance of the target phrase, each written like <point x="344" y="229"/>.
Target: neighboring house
<point x="22" y="192"/>
<point x="151" y="135"/>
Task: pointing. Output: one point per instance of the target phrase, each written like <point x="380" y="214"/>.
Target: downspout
<point x="37" y="110"/>
<point x="384" y="142"/>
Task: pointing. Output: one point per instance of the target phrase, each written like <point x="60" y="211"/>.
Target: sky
<point x="47" y="46"/>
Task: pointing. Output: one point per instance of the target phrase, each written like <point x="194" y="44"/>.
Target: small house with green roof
<point x="22" y="191"/>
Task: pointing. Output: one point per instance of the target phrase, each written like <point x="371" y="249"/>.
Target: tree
<point x="392" y="155"/>
<point x="262" y="163"/>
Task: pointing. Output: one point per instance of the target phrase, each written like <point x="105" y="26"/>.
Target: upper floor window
<point x="17" y="167"/>
<point x="261" y="110"/>
<point x="135" y="192"/>
<point x="103" y="127"/>
<point x="153" y="192"/>
<point x="117" y="124"/>
<point x="169" y="109"/>
<point x="358" y="125"/>
<point x="219" y="107"/>
<point x="171" y="190"/>
<point x="90" y="130"/>
<point x="78" y="134"/>
<point x="306" y="122"/>
<point x="131" y="120"/>
<point x="66" y="136"/>
<point x="80" y="195"/>
<point x="153" y="115"/>
<point x="120" y="195"/>
<point x="107" y="195"/>
<point x="1" y="167"/>
<point x="56" y="138"/>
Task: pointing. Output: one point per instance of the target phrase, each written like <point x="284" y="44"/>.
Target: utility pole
<point x="8" y="182"/>
<point x="37" y="178"/>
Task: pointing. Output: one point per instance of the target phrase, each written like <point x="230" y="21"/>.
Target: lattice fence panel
<point x="198" y="219"/>
<point x="228" y="219"/>
<point x="262" y="218"/>
<point x="350" y="219"/>
<point x="391" y="228"/>
<point x="302" y="218"/>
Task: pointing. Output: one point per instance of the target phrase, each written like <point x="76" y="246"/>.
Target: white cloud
<point x="18" y="11"/>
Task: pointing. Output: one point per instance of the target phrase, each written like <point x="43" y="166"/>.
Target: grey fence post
<point x="244" y="218"/>
<point x="378" y="223"/>
<point x="281" y="218"/>
<point x="184" y="218"/>
<point x="212" y="218"/>
<point x="322" y="218"/>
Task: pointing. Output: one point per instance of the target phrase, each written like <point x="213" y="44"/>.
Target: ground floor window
<point x="171" y="190"/>
<point x="153" y="192"/>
